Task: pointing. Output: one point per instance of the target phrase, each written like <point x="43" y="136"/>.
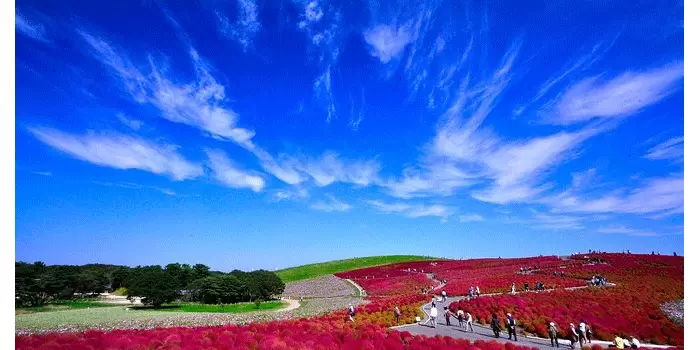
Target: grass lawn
<point x="314" y="270"/>
<point x="62" y="305"/>
<point x="226" y="308"/>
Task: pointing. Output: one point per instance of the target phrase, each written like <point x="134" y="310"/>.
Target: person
<point x="460" y="317"/>
<point x="626" y="343"/>
<point x="573" y="337"/>
<point x="512" y="288"/>
<point x="617" y="343"/>
<point x="674" y="254"/>
<point x="444" y="296"/>
<point x="478" y="292"/>
<point x="589" y="332"/>
<point x="495" y="326"/>
<point x="397" y="313"/>
<point x="510" y="324"/>
<point x="448" y="315"/>
<point x="582" y="333"/>
<point x="527" y="286"/>
<point x="469" y="322"/>
<point x="433" y="316"/>
<point x="635" y="343"/>
<point x="471" y="292"/>
<point x="351" y="311"/>
<point x="432" y="303"/>
<point x="553" y="334"/>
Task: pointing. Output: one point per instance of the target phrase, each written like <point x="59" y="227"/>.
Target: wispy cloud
<point x="388" y="41"/>
<point x="43" y="173"/>
<point x="121" y="152"/>
<point x="246" y="25"/>
<point x="229" y="175"/>
<point x="671" y="149"/>
<point x="134" y="124"/>
<point x="550" y="222"/>
<point x="333" y="204"/>
<point x="413" y="210"/>
<point x="471" y="218"/>
<point x="659" y="196"/>
<point x="32" y="29"/>
<point x="626" y="231"/>
<point x="357" y="114"/>
<point x="134" y="186"/>
<point x="290" y="194"/>
<point x="624" y="95"/>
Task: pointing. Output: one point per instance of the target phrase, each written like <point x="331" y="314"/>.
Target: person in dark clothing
<point x="527" y="286"/>
<point x="510" y="325"/>
<point x="495" y="326"/>
<point x="553" y="334"/>
<point x="448" y="315"/>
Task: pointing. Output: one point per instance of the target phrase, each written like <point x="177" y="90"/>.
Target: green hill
<point x="314" y="270"/>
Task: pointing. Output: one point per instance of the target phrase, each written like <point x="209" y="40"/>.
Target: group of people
<point x="526" y="287"/>
<point x="510" y="326"/>
<point x="473" y="293"/>
<point x="599" y="281"/>
<point x="581" y="334"/>
<point x="528" y="269"/>
<point x="464" y="318"/>
<point x="622" y="343"/>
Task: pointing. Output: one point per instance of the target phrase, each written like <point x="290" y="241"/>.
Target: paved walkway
<point x="362" y="291"/>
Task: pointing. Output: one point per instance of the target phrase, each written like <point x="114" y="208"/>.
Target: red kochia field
<point x="298" y="334"/>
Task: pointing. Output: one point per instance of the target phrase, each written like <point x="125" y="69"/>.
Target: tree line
<point x="37" y="284"/>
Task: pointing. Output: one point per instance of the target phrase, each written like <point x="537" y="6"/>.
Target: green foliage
<point x="121" y="291"/>
<point x="236" y="287"/>
<point x="220" y="308"/>
<point x="314" y="270"/>
<point x="154" y="285"/>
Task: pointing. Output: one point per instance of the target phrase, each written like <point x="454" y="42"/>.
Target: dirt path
<point x="291" y="305"/>
<point x="362" y="291"/>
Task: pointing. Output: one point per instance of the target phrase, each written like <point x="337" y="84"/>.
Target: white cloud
<point x="333" y="204"/>
<point x="621" y="96"/>
<point x="626" y="231"/>
<point x="34" y="30"/>
<point x="131" y="123"/>
<point x="330" y="168"/>
<point x="283" y="195"/>
<point x="672" y="149"/>
<point x="324" y="90"/>
<point x="121" y="152"/>
<point x="471" y="218"/>
<point x="356" y="117"/>
<point x="198" y="103"/>
<point x="246" y="26"/>
<point x="129" y="185"/>
<point x="42" y="173"/>
<point x="388" y="42"/>
<point x="413" y="210"/>
<point x="583" y="178"/>
<point x="658" y="196"/>
<point x="226" y="173"/>
<point x="550" y="222"/>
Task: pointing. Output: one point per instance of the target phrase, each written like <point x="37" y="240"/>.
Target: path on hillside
<point x="291" y="305"/>
<point x="483" y="332"/>
<point x="362" y="291"/>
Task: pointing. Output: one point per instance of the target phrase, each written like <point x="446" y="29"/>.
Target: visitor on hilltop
<point x="527" y="286"/>
<point x="471" y="292"/>
<point x="351" y="312"/>
<point x="433" y="316"/>
<point x="674" y="254"/>
<point x="444" y="296"/>
<point x="469" y="322"/>
<point x="635" y="343"/>
<point x="478" y="292"/>
<point x="582" y="333"/>
<point x="448" y="315"/>
<point x="397" y="314"/>
<point x="460" y="317"/>
<point x="553" y="334"/>
<point x="510" y="325"/>
<point x="573" y="336"/>
<point x="626" y="343"/>
<point x="495" y="326"/>
<point x="512" y="288"/>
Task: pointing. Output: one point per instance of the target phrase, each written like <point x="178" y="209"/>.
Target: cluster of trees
<point x="37" y="284"/>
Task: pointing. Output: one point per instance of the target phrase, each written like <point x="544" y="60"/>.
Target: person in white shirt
<point x="512" y="288"/>
<point x="582" y="333"/>
<point x="444" y="296"/>
<point x="469" y="323"/>
<point x="478" y="292"/>
<point x="460" y="318"/>
<point x="635" y="343"/>
<point x="351" y="311"/>
<point x="433" y="316"/>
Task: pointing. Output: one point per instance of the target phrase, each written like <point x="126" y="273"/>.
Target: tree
<point x="218" y="289"/>
<point x="265" y="284"/>
<point x="120" y="278"/>
<point x="154" y="285"/>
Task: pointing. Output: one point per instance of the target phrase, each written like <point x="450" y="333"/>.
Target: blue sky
<point x="267" y="134"/>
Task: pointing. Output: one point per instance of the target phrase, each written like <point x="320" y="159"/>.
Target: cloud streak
<point x="120" y="151"/>
<point x="671" y="149"/>
<point x="31" y="29"/>
<point x="229" y="175"/>
<point x="333" y="204"/>
<point x="413" y="210"/>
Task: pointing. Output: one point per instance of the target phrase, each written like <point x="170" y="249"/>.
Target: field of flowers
<point x="297" y="334"/>
<point x="319" y="287"/>
<point x="632" y="307"/>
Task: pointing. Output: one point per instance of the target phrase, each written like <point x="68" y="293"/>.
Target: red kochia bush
<point x="297" y="334"/>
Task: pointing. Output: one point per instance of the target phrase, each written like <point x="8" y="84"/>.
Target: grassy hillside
<point x="314" y="270"/>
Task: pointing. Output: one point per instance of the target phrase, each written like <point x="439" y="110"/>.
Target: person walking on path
<point x="478" y="292"/>
<point x="469" y="323"/>
<point x="512" y="288"/>
<point x="495" y="326"/>
<point x="573" y="337"/>
<point x="635" y="343"/>
<point x="351" y="312"/>
<point x="510" y="325"/>
<point x="460" y="318"/>
<point x="617" y="343"/>
<point x="433" y="316"/>
<point x="471" y="292"/>
<point x="397" y="313"/>
<point x="432" y="302"/>
<point x="444" y="296"/>
<point x="582" y="333"/>
<point x="589" y="333"/>
<point x="553" y="334"/>
<point x="448" y="315"/>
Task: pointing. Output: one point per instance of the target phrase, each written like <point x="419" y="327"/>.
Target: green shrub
<point x="121" y="291"/>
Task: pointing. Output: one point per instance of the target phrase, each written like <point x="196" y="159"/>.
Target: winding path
<point x="291" y="305"/>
